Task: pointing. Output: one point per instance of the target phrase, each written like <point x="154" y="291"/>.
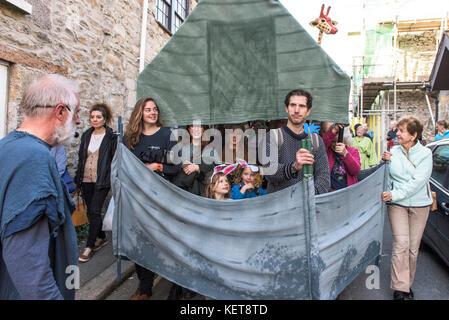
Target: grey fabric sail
<point x="234" y="61"/>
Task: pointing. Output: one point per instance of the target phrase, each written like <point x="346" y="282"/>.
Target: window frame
<point x="21" y="5"/>
<point x="173" y="13"/>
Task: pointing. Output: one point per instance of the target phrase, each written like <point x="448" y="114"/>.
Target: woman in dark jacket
<point x="93" y="176"/>
<point x="150" y="142"/>
<point x="193" y="174"/>
<point x="192" y="178"/>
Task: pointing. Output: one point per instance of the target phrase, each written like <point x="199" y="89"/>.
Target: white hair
<point x="64" y="135"/>
<point x="47" y="92"/>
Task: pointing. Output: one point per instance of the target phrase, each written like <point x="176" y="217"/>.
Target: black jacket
<point x="107" y="151"/>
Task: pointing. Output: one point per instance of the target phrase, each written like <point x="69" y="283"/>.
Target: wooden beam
<point x="30" y="60"/>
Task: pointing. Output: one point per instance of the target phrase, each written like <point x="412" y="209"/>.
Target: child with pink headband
<point x="245" y="182"/>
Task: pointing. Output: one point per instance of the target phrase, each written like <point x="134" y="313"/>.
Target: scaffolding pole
<point x="394" y="102"/>
<point x="361" y="102"/>
<point x="395" y="65"/>
<point x="380" y="111"/>
<point x="430" y="110"/>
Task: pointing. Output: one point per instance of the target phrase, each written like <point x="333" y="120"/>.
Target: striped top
<point x="283" y="177"/>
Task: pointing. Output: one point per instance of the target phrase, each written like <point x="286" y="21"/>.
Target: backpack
<point x="279" y="137"/>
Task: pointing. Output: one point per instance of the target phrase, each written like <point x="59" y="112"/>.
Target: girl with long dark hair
<point x="150" y="142"/>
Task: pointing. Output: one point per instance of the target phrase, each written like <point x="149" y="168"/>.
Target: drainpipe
<point x="395" y="45"/>
<point x="437" y="102"/>
<point x="436" y="96"/>
<point x="430" y="110"/>
<point x="143" y="36"/>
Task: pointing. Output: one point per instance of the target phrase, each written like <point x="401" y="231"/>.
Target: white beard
<point x="64" y="135"/>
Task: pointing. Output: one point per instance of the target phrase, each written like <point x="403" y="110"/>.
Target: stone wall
<point x="443" y="108"/>
<point x="415" y="59"/>
<point x="416" y="55"/>
<point x="95" y="42"/>
<point x="415" y="62"/>
<point x="413" y="102"/>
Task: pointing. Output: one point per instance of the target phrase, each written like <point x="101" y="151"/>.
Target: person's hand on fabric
<point x="303" y="156"/>
<point x="154" y="166"/>
<point x="386" y="196"/>
<point x="386" y="156"/>
<point x="340" y="148"/>
<point x="191" y="168"/>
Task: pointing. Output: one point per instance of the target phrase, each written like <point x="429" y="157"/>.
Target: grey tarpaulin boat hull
<point x="287" y="245"/>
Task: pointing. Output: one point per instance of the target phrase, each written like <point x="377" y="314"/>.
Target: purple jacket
<point x="351" y="161"/>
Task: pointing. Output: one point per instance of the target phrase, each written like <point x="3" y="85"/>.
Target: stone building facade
<point x="95" y="42"/>
<point x="418" y="52"/>
<point x="413" y="61"/>
<point x="413" y="102"/>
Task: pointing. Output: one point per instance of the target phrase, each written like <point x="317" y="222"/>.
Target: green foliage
<point x="82" y="232"/>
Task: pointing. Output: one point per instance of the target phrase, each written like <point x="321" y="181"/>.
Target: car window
<point x="440" y="170"/>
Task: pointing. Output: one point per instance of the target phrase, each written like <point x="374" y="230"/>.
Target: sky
<point x="350" y="15"/>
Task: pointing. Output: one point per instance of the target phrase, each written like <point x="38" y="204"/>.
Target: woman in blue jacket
<point x="408" y="202"/>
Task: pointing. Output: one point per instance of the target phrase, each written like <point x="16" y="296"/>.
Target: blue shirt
<point x="236" y="194"/>
<point x="61" y="158"/>
<point x="35" y="219"/>
<point x="23" y="266"/>
<point x="443" y="136"/>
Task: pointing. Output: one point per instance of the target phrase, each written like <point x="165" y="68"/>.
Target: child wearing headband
<point x="218" y="187"/>
<point x="247" y="182"/>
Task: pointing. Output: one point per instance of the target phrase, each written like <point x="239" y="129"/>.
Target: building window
<point x="163" y="9"/>
<point x="180" y="13"/>
<point x="3" y="97"/>
<point x="171" y="13"/>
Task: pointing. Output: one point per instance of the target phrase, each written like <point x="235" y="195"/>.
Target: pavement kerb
<point x="103" y="284"/>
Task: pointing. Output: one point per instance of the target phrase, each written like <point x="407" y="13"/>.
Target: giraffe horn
<point x="322" y="10"/>
<point x="328" y="9"/>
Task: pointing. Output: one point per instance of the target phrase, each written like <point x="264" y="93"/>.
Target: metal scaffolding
<point x="376" y="73"/>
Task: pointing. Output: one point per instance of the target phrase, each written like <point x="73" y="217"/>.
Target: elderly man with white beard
<point x="38" y="245"/>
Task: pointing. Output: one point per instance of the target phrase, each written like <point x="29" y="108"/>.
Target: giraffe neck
<point x="320" y="36"/>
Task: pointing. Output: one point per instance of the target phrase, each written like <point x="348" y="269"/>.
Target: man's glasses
<point x="75" y="115"/>
<point x="64" y="105"/>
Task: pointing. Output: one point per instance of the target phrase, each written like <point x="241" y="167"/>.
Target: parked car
<point x="436" y="234"/>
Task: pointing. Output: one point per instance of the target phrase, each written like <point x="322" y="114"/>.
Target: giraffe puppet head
<point x="324" y="23"/>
